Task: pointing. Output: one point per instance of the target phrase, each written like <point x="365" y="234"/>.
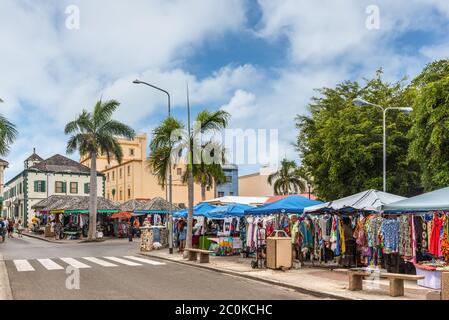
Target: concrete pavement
<point x="38" y="270"/>
<point x="5" y="289"/>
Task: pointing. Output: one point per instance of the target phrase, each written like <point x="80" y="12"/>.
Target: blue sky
<point x="260" y="60"/>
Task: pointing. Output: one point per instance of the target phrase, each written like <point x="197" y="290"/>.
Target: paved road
<point x="113" y="270"/>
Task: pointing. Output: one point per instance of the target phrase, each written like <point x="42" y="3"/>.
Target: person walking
<point x="19" y="228"/>
<point x="10" y="228"/>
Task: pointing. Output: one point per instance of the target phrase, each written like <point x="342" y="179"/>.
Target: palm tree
<point x="287" y="179"/>
<point x="206" y="174"/>
<point x="93" y="133"/>
<point x="8" y="133"/>
<point x="165" y="146"/>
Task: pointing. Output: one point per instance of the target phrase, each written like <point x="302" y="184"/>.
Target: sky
<point x="259" y="60"/>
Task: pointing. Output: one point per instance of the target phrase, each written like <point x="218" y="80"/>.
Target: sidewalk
<point x="5" y="289"/>
<point x="64" y="241"/>
<point x="313" y="281"/>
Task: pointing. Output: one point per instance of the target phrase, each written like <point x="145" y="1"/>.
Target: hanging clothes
<point x="405" y="242"/>
<point x="434" y="247"/>
<point x="390" y="236"/>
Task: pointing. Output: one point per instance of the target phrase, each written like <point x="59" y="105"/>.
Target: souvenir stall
<point x="153" y="217"/>
<point x="276" y="216"/>
<point x="423" y="234"/>
<point x="230" y="235"/>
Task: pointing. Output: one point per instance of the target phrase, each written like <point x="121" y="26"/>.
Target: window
<point x="179" y="171"/>
<point x="113" y="175"/>
<point x="107" y="177"/>
<point x="131" y="152"/>
<point x="228" y="179"/>
<point x="39" y="186"/>
<point x="129" y="170"/>
<point x="129" y="193"/>
<point x="20" y="188"/>
<point x="120" y="172"/>
<point x="60" y="187"/>
<point x="74" y="187"/>
<point x="120" y="195"/>
<point x="220" y="194"/>
<point x="87" y="188"/>
<point x="208" y="188"/>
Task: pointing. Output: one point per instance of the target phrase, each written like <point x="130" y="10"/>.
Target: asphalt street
<point x="113" y="270"/>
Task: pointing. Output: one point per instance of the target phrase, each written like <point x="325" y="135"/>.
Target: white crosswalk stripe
<point x="100" y="262"/>
<point x="154" y="263"/>
<point x="50" y="264"/>
<point x="23" y="265"/>
<point x="75" y="263"/>
<point x="123" y="261"/>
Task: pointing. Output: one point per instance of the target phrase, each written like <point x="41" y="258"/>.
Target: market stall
<point x="72" y="213"/>
<point x="423" y="233"/>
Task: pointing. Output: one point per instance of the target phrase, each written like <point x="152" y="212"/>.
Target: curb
<point x="314" y="293"/>
<point x="40" y="238"/>
<point x="5" y="287"/>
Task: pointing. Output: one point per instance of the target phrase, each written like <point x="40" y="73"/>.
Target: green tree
<point x="287" y="179"/>
<point x="93" y="133"/>
<point x="341" y="144"/>
<point x="430" y="130"/>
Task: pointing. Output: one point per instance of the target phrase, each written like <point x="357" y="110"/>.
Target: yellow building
<point x="132" y="179"/>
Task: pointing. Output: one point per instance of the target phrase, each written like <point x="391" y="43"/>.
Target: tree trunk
<point x="203" y="192"/>
<point x="93" y="197"/>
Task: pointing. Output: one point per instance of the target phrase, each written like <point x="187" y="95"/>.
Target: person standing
<point x="182" y="236"/>
<point x="130" y="231"/>
<point x="2" y="230"/>
<point x="196" y="233"/>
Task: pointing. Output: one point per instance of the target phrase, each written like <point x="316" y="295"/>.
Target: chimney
<point x="34" y="150"/>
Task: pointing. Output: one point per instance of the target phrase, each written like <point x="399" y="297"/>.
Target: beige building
<point x="256" y="184"/>
<point x="132" y="179"/>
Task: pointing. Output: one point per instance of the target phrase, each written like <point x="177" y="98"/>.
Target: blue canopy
<point x="229" y="211"/>
<point x="290" y="204"/>
<point x="199" y="210"/>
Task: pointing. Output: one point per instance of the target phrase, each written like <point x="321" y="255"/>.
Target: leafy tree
<point x="430" y="130"/>
<point x="93" y="133"/>
<point x="341" y="144"/>
<point x="287" y="179"/>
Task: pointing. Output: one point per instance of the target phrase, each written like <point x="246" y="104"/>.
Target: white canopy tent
<point x="250" y="201"/>
<point x="370" y="200"/>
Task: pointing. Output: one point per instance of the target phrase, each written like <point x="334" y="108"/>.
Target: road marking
<point x="123" y="261"/>
<point x="100" y="262"/>
<point x="154" y="263"/>
<point x="23" y="265"/>
<point x="50" y="264"/>
<point x="75" y="263"/>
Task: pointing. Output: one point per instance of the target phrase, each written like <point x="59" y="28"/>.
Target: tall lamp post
<point x="170" y="218"/>
<point x="362" y="103"/>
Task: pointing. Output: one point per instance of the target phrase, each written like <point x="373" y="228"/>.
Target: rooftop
<point x="59" y="163"/>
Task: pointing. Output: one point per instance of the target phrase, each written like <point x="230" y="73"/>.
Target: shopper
<point x="196" y="233"/>
<point x="182" y="236"/>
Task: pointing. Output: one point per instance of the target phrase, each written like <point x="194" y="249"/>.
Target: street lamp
<point x="170" y="197"/>
<point x="363" y="103"/>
